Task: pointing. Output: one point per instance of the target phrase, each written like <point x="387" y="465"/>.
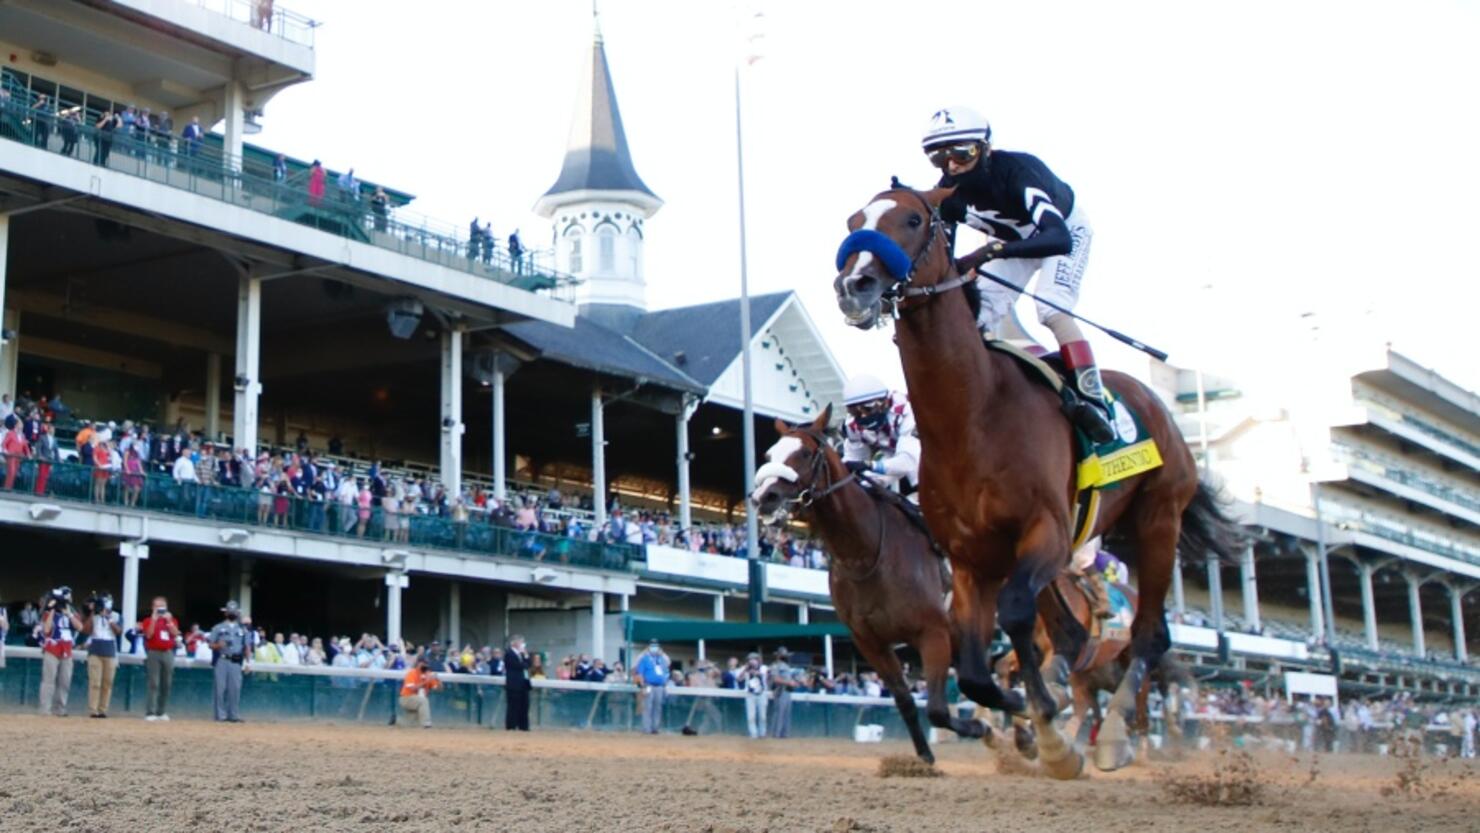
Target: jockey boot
<point x="1099" y="596"/>
<point x="1090" y="410"/>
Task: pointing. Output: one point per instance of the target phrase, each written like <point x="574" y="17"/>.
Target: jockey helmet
<point x="863" y="388"/>
<point x="955" y="125"/>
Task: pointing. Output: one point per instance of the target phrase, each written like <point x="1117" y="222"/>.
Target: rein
<point x="807" y="498"/>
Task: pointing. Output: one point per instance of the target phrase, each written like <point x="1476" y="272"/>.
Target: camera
<point x="99" y="603"/>
<point x="59" y="599"/>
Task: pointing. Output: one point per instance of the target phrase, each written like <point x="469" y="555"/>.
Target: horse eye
<point x="915" y="221"/>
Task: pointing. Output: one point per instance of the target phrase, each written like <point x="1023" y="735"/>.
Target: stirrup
<point x="1088" y="417"/>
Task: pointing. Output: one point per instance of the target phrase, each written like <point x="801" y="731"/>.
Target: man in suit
<point x="516" y="685"/>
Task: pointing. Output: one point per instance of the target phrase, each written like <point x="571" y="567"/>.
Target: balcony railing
<point x="201" y="168"/>
<point x="1368" y="462"/>
<point x="235" y="506"/>
<point x="1419" y="424"/>
<point x="267" y="16"/>
<point x="1396" y="530"/>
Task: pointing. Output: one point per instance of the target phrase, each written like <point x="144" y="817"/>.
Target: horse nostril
<point x="865" y="284"/>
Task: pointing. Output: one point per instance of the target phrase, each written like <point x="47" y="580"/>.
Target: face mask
<point x="231" y="617"/>
<point x="653" y="650"/>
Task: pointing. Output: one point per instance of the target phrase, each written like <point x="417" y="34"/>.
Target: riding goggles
<point x="864" y="410"/>
<point x="960" y="154"/>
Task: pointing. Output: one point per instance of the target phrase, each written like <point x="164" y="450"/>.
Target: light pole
<point x="757" y="585"/>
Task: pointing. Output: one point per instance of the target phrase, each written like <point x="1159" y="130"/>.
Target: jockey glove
<point x="856" y="466"/>
<point x="953" y="209"/>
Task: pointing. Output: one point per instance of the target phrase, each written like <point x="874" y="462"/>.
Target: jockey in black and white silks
<point x="879" y="438"/>
<point x="1033" y="225"/>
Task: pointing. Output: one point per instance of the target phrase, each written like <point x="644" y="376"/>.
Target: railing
<point x="266" y="16"/>
<point x="1396" y="530"/>
<point x="236" y="506"/>
<point x="202" y="168"/>
<point x="1394" y="411"/>
<point x="1388" y="469"/>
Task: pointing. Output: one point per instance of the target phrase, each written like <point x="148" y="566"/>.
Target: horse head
<point x="799" y="467"/>
<point x="896" y="245"/>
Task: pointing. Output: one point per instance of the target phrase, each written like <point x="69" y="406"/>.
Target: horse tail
<point x="1207" y="528"/>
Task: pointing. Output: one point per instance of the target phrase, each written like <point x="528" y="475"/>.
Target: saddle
<point x="1098" y="467"/>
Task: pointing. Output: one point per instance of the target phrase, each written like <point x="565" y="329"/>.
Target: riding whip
<point x="1115" y="334"/>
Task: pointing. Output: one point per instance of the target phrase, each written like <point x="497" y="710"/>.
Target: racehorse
<point x="998" y="480"/>
<point x="888" y="584"/>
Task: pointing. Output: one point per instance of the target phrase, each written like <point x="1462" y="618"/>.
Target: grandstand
<point x="151" y="278"/>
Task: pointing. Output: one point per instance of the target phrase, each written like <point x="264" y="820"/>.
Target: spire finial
<point x="596" y="20"/>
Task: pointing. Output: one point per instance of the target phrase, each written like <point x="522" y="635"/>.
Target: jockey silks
<point x="1015" y="198"/>
<point x="894" y="439"/>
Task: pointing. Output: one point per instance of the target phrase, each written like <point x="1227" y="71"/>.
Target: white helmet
<point x="863" y="388"/>
<point x="955" y="124"/>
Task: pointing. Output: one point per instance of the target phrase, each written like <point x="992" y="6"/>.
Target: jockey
<point x="1033" y="224"/>
<point x="1085" y="565"/>
<point x="879" y="438"/>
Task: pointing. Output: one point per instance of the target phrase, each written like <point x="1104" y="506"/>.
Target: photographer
<point x="784" y="679"/>
<point x="229" y="646"/>
<point x="419" y="680"/>
<point x="161" y="633"/>
<point x="102" y="653"/>
<point x="751" y="679"/>
<point x="59" y="626"/>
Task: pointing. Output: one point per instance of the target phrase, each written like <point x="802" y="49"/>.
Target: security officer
<point x="229" y="650"/>
<point x="783" y="679"/>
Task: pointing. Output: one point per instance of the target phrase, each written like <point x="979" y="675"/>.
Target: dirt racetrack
<point x="127" y="775"/>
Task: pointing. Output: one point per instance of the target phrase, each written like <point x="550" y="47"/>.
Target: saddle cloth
<point x="1098" y="467"/>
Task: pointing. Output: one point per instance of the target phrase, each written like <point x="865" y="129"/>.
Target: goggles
<point x="960" y="154"/>
<point x="863" y="410"/>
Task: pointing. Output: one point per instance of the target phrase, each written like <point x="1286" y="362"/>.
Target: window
<point x="634" y="252"/>
<point x="574" y="261"/>
<point x="607" y="253"/>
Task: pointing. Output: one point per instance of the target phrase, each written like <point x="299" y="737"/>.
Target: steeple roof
<point x="596" y="157"/>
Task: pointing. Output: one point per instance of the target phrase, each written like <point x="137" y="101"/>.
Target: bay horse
<point x="997" y="477"/>
<point x="888" y="585"/>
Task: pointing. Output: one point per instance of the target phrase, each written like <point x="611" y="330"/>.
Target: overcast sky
<point x="1249" y="168"/>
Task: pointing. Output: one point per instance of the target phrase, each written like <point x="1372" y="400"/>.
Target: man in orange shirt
<point x="414" y="691"/>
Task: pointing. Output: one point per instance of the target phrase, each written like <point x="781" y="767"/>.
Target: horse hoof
<point x="1065" y="768"/>
<point x="1025" y="741"/>
<point x="1112" y="755"/>
<point x="928" y="758"/>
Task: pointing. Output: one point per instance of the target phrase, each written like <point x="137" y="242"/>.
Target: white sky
<point x="1243" y="163"/>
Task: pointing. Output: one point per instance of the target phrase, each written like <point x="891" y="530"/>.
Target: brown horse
<point x="997" y="477"/>
<point x="887" y="583"/>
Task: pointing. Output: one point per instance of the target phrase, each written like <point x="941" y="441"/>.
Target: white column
<point x="1251" y="589"/>
<point x="598" y="625"/>
<point x="1369" y="607"/>
<point x="132" y="554"/>
<point x="1215" y="590"/>
<point x="248" y="361"/>
<point x="395" y="582"/>
<point x="598" y="458"/>
<point x="1179" y="598"/>
<point x="213" y="396"/>
<point x="452" y="424"/>
<point x="233" y="108"/>
<point x="719" y="607"/>
<point x="1457" y="616"/>
<point x="244" y="587"/>
<point x="804" y="614"/>
<point x="10" y="320"/>
<point x="454" y="614"/>
<point x="702" y="655"/>
<point x="685" y="504"/>
<point x="1415" y="611"/>
<point x="1313" y="592"/>
<point x="500" y="490"/>
<point x="827" y="658"/>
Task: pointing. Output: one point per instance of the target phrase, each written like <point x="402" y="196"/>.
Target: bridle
<point x="809" y="496"/>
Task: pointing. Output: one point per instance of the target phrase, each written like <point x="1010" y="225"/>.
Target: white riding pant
<point x="1084" y="557"/>
<point x="1064" y="274"/>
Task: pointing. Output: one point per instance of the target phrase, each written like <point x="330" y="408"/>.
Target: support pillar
<point x="719" y="607"/>
<point x="132" y="554"/>
<point x="1415" y="610"/>
<point x="452" y="424"/>
<point x="500" y="489"/>
<point x="248" y="362"/>
<point x="213" y="396"/>
<point x="1215" y="590"/>
<point x="1251" y="590"/>
<point x="454" y="616"/>
<point x="598" y="625"/>
<point x="685" y="504"/>
<point x="1313" y="592"/>
<point x="1369" y="607"/>
<point x="233" y="109"/>
<point x="244" y="587"/>
<point x="702" y="655"/>
<point x="1457" y="619"/>
<point x="395" y="582"/>
<point x="10" y="320"/>
<point x="598" y="459"/>
<point x="827" y="654"/>
<point x="1179" y="598"/>
<point x="804" y="614"/>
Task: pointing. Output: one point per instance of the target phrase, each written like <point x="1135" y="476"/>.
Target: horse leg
<point x="1156" y="534"/>
<point x="974" y="617"/>
<point x="1087" y="708"/>
<point x="935" y="654"/>
<point x="893" y="678"/>
<point x="1039" y="554"/>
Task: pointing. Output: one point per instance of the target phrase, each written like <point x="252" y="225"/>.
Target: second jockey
<point x="1033" y="225"/>
<point x="879" y="437"/>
